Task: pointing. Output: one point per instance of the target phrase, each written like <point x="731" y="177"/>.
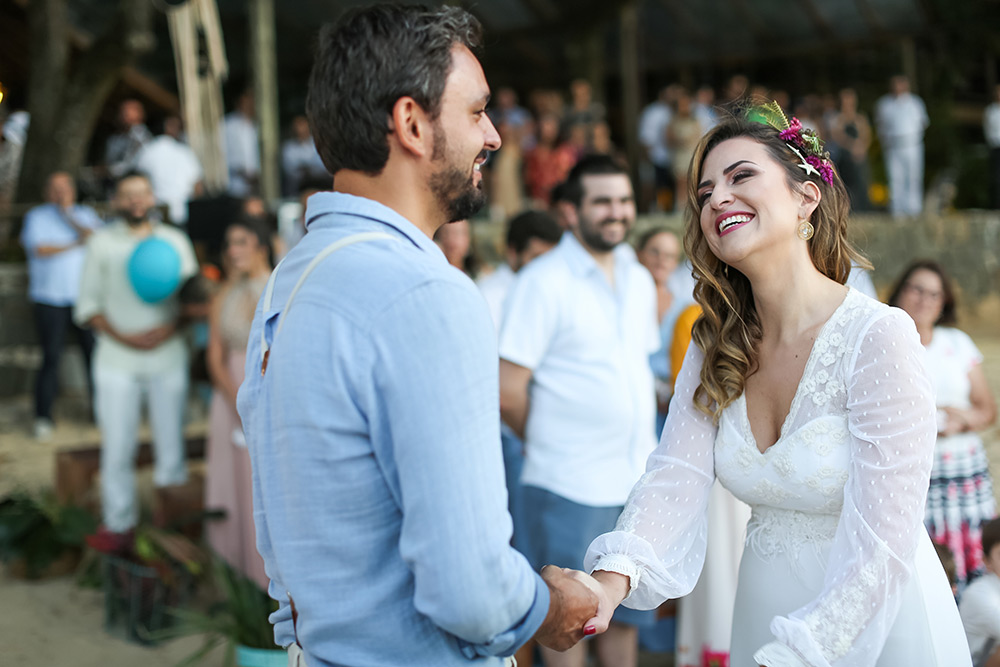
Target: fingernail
<point x="590" y="630"/>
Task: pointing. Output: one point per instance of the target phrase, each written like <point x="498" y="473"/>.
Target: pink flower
<point x="793" y="133"/>
<point x="823" y="167"/>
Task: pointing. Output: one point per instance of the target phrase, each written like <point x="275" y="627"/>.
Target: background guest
<point x="851" y="132"/>
<point x="140" y="353"/>
<point x="53" y="236"/>
<point x="960" y="499"/>
<point x="173" y="169"/>
<point x="242" y="149"/>
<point x="901" y="119"/>
<point x="228" y="483"/>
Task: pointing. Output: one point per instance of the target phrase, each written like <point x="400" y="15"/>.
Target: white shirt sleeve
<point x="530" y="319"/>
<point x="660" y="539"/>
<point x="890" y="411"/>
<point x="90" y="301"/>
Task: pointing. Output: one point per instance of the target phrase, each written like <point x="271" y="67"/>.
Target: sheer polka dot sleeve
<point x="890" y="408"/>
<point x="659" y="542"/>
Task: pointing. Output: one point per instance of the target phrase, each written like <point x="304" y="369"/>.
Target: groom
<point x="372" y="419"/>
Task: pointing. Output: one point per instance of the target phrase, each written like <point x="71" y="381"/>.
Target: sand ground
<point x="54" y="623"/>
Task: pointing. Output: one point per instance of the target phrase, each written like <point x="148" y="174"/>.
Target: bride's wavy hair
<point x="729" y="328"/>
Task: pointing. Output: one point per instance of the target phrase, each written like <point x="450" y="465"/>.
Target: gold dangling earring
<point x="725" y="270"/>
<point x="805" y="230"/>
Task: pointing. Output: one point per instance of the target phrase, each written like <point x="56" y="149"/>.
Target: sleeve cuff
<point x="506" y="643"/>
<point x="622" y="565"/>
<point x="776" y="654"/>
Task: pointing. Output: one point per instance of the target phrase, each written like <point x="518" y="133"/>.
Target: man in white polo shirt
<point x="579" y="325"/>
<point x="53" y="236"/>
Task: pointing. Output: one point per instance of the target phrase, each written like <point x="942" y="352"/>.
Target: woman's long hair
<point x="729" y="327"/>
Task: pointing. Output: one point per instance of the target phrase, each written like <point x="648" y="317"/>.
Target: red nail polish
<point x="590" y="630"/>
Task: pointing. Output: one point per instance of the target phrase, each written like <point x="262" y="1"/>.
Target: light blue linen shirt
<point x="378" y="482"/>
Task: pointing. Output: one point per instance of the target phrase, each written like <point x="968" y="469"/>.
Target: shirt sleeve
<point x="90" y="301"/>
<point x="189" y="263"/>
<point x="659" y="541"/>
<point x="890" y="409"/>
<point x="435" y="376"/>
<point x="29" y="232"/>
<point x="980" y="610"/>
<point x="529" y="321"/>
<point x="969" y="353"/>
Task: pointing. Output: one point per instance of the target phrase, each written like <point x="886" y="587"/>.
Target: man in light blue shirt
<point x="371" y="407"/>
<point x="53" y="236"/>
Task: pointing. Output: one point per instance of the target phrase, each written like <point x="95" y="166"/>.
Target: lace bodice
<point x="849" y="471"/>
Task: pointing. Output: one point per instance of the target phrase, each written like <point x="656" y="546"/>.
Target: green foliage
<point x="40" y="530"/>
<point x="239" y="616"/>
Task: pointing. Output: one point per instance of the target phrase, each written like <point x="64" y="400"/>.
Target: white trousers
<point x="905" y="167"/>
<point x="118" y="405"/>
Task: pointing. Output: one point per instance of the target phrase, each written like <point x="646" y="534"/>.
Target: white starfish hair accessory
<point x="805" y="166"/>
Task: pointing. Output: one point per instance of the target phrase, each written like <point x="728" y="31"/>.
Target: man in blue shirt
<point x="370" y="408"/>
<point x="53" y="236"/>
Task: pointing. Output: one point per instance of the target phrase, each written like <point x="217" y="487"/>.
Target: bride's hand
<point x="610" y="588"/>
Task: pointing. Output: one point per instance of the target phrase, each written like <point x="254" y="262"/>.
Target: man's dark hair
<point x="532" y="225"/>
<point x="369" y="59"/>
<point x="991" y="536"/>
<point x="591" y="165"/>
<point x="133" y="173"/>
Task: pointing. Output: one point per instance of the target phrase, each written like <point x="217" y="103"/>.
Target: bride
<point x="809" y="401"/>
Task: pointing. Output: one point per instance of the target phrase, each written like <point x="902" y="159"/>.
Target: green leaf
<point x="769" y="114"/>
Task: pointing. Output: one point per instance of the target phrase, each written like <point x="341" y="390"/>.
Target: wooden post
<point x="265" y="86"/>
<point x="629" y="19"/>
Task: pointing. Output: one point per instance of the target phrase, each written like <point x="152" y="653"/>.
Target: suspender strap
<point x="269" y="290"/>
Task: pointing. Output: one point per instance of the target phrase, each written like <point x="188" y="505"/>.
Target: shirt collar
<point x="582" y="262"/>
<point x="322" y="208"/>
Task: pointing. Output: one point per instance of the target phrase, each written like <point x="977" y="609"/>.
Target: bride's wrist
<point x="615" y="585"/>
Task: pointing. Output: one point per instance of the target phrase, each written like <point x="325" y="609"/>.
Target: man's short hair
<point x="532" y="225"/>
<point x="991" y="536"/>
<point x="134" y="173"/>
<point x="369" y="59"/>
<point x="591" y="165"/>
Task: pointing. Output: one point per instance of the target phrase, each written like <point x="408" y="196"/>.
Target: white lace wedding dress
<point x="837" y="569"/>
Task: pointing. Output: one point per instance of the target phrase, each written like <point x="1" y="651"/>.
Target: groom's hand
<point x="571" y="603"/>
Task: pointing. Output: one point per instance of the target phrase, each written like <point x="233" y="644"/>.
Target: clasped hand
<point x="580" y="605"/>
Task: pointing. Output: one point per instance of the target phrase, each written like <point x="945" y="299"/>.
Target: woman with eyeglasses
<point x="960" y="499"/>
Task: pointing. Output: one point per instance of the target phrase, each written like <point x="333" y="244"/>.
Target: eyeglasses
<point x="921" y="293"/>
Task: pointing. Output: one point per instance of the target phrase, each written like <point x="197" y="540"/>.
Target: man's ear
<point x="411" y="126"/>
<point x="568" y="213"/>
<point x="810" y="195"/>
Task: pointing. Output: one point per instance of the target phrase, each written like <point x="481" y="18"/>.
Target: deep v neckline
<point x="796" y="397"/>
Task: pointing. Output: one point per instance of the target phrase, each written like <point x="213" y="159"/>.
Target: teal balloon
<point x="154" y="269"/>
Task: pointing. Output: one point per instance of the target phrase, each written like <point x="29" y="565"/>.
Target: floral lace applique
<point x="768" y="493"/>
<point x="838" y="620"/>
<point x="772" y="531"/>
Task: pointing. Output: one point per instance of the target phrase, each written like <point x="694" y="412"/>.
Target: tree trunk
<point x="64" y="98"/>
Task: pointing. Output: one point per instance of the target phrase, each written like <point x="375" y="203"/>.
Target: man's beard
<point x="132" y="219"/>
<point x="458" y="195"/>
<point x="591" y="237"/>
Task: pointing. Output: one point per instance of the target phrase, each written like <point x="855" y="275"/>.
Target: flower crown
<point x="803" y="142"/>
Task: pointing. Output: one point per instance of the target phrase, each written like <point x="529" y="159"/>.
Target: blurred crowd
<point x="541" y="143"/>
